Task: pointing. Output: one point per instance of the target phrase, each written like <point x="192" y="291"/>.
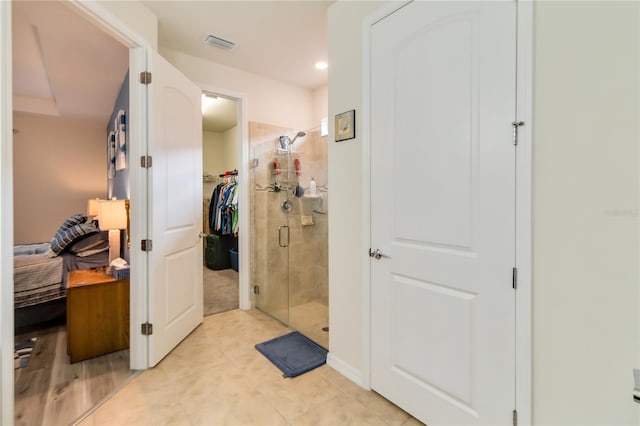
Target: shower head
<point x="299" y="135"/>
<point x="286" y="141"/>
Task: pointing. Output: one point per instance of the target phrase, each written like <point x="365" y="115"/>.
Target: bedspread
<point x="37" y="278"/>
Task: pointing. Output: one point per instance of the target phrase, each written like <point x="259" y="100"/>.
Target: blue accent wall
<point x="119" y="186"/>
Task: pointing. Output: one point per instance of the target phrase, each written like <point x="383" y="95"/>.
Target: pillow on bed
<point x="71" y="221"/>
<point x="63" y="238"/>
<point x="88" y="242"/>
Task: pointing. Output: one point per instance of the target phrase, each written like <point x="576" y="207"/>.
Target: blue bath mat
<point x="293" y="353"/>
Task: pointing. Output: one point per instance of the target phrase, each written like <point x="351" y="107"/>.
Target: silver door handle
<point x="202" y="235"/>
<point x="377" y="254"/>
<point x="280" y="236"/>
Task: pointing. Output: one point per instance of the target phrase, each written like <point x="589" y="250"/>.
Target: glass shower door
<point x="308" y="250"/>
<point x="271" y="232"/>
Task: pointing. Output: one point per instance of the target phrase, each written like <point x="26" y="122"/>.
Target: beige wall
<point x="585" y="282"/>
<point x="57" y="165"/>
<point x="268" y="101"/>
<point x="585" y="217"/>
<point x="219" y="154"/>
<point x="230" y="141"/>
<point x="220" y="151"/>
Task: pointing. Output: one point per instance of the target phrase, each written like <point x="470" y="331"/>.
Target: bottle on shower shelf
<point x="312" y="187"/>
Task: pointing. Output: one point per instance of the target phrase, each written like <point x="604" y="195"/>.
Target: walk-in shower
<point x="289" y="229"/>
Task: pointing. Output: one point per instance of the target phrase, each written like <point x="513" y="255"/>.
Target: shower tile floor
<point x="215" y="376"/>
<point x="309" y="319"/>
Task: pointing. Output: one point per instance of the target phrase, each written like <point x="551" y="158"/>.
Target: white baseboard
<point x="346" y="370"/>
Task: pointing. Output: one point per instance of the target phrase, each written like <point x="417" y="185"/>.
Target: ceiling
<point x="281" y="40"/>
<point x="74" y="69"/>
<point x="219" y="114"/>
<point x="62" y="64"/>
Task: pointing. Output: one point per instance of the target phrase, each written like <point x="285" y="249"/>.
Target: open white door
<point x="175" y="207"/>
<point x="443" y="210"/>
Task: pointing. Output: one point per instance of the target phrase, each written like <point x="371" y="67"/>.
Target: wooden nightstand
<point x="97" y="314"/>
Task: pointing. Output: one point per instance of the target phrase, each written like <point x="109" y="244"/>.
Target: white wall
<point x="268" y="101"/>
<point x="6" y="220"/>
<point x="320" y="104"/>
<point x="58" y="164"/>
<point x="345" y="181"/>
<point x="136" y="16"/>
<point x="585" y="282"/>
<point x="585" y="218"/>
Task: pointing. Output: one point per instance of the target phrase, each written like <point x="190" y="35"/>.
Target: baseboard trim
<point x="346" y="370"/>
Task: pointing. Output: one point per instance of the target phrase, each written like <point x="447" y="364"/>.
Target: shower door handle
<point x="280" y="236"/>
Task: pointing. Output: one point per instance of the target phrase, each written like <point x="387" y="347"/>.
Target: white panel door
<point x="175" y="207"/>
<point x="442" y="203"/>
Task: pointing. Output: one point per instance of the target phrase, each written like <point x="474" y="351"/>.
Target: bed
<point x="41" y="270"/>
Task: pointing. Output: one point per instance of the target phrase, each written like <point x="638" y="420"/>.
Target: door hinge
<point x="147" y="329"/>
<point x="145" y="77"/>
<point x="515" y="126"/>
<point x="515" y="418"/>
<point x="514" y="278"/>
<point x="256" y="289"/>
<point x="146" y="161"/>
<point x="146" y="245"/>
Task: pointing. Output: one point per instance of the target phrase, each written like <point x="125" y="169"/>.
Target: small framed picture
<point x="345" y="125"/>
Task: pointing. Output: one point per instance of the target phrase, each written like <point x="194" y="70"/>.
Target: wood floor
<point x="51" y="391"/>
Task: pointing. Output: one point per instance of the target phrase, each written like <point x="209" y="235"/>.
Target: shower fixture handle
<point x="280" y="236"/>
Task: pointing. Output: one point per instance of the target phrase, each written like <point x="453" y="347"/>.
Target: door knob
<point x="202" y="235"/>
<point x="377" y="254"/>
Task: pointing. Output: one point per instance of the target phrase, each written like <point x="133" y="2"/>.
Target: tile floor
<point x="216" y="377"/>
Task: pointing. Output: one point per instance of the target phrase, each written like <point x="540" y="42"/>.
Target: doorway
<point x="220" y="203"/>
<point x="65" y="103"/>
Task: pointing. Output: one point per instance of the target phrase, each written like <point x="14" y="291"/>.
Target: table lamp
<point x="112" y="217"/>
<point x="92" y="207"/>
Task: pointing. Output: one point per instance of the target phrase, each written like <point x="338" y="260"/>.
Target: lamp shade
<point x="92" y="206"/>
<point x="112" y="214"/>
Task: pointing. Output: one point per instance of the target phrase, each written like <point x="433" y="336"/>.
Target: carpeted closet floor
<point x="220" y="290"/>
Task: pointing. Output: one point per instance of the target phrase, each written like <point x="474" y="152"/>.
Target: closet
<point x="221" y="250"/>
<point x="220" y="195"/>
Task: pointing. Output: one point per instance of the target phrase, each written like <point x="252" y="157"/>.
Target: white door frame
<point x="244" y="296"/>
<point x="524" y="82"/>
<point x="6" y="217"/>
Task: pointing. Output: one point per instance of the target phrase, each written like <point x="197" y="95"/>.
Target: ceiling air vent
<point x="219" y="42"/>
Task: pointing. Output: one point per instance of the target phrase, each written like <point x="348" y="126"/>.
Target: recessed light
<point x="321" y="65"/>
